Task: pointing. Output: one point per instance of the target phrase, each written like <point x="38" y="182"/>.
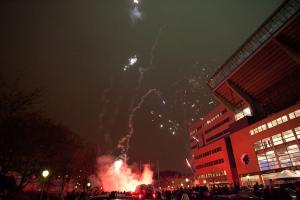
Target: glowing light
<point x="196" y="139"/>
<point x="118" y="165"/>
<point x="159" y="115"/>
<point x="45" y="173"/>
<point x="187" y="180"/>
<point x="188" y="163"/>
<point x="161" y="126"/>
<point x="211" y="102"/>
<point x="88" y="184"/>
<point x="136" y="1"/>
<point x="116" y="175"/>
<point x="173" y="133"/>
<point x="164" y="102"/>
<point x="131" y="61"/>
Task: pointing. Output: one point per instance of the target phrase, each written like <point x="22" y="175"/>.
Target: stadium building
<point x="254" y="133"/>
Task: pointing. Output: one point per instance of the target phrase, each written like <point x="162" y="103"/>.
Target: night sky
<point x="76" y="52"/>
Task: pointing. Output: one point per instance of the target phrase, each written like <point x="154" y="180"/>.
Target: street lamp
<point x="45" y="174"/>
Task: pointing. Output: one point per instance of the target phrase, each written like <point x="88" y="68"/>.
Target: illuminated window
<point x="284" y="157"/>
<point x="297" y="113"/>
<point x="257" y="145"/>
<point x="263" y="162"/>
<point x="264" y="127"/>
<point x="251" y="132"/>
<point x="273" y="164"/>
<point x="279" y="120"/>
<point x="274" y="122"/>
<point x="267" y="142"/>
<point x="259" y="129"/>
<point x="245" y="112"/>
<point x="288" y="136"/>
<point x="277" y="139"/>
<point x="297" y="131"/>
<point x="294" y="152"/>
<point x="270" y="125"/>
<point x="284" y="118"/>
<point x="292" y="115"/>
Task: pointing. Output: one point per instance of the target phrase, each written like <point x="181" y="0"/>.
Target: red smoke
<point x="116" y="175"/>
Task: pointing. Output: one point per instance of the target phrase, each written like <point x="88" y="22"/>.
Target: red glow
<point x="116" y="175"/>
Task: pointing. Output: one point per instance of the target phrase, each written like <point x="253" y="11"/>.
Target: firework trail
<point x="153" y="48"/>
<point x="189" y="165"/>
<point x="124" y="143"/>
<point x="143" y="70"/>
<point x="105" y="101"/>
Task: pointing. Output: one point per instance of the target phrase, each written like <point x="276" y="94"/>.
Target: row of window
<point x="277" y="139"/>
<point x="217" y="135"/>
<point x="208" y="153"/>
<point x="275" y="122"/>
<point x="213" y="174"/>
<point x="208" y="121"/>
<point x="216" y="116"/>
<point x="217" y="125"/>
<point x="211" y="163"/>
<point x="283" y="157"/>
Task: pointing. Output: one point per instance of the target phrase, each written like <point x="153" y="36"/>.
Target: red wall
<point x="242" y="141"/>
<point x="212" y="157"/>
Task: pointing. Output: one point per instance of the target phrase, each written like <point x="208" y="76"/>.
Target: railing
<point x="276" y="21"/>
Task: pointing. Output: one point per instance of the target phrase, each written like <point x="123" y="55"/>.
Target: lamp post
<point x="45" y="174"/>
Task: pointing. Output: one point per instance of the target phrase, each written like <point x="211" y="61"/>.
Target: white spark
<point x="196" y="139"/>
<point x="173" y="132"/>
<point x="161" y="126"/>
<point x="159" y="115"/>
<point x="117" y="165"/>
<point x="132" y="60"/>
<point x="164" y="102"/>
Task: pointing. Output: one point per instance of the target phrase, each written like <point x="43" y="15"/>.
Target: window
<point x="297" y="113"/>
<point x="279" y="120"/>
<point x="292" y="115"/>
<point x="245" y="112"/>
<point x="284" y="118"/>
<point x="288" y="136"/>
<point x="273" y="164"/>
<point x="263" y="162"/>
<point x="277" y="139"/>
<point x="258" y="145"/>
<point x="297" y="131"/>
<point x="294" y="152"/>
<point x="270" y="125"/>
<point x="274" y="122"/>
<point x="267" y="142"/>
<point x="284" y="158"/>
